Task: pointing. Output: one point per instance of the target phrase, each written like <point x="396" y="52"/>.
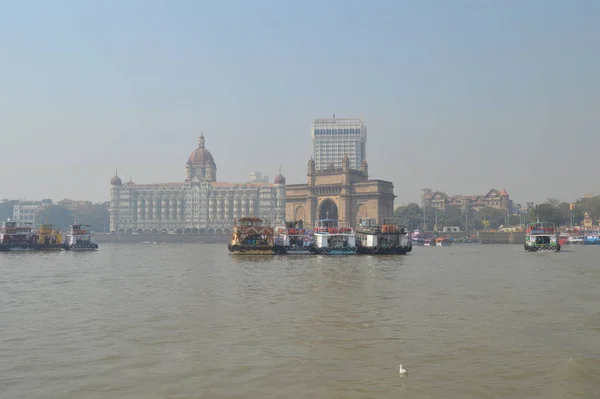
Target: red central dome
<point x="201" y="156"/>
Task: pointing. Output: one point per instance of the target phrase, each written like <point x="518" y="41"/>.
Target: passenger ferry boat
<point x="332" y="239"/>
<point x="250" y="237"/>
<point x="25" y="238"/>
<point x="575" y="239"/>
<point x="591" y="238"/>
<point x="48" y="238"/>
<point x="381" y="239"/>
<point x="294" y="239"/>
<point x="79" y="239"/>
<point x="541" y="236"/>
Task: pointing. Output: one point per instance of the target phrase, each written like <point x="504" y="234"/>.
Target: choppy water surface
<point x="191" y="321"/>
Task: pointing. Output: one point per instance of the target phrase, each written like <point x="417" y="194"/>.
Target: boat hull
<point x="383" y="251"/>
<point x="250" y="250"/>
<point x="80" y="247"/>
<point x="30" y="247"/>
<point x="335" y="251"/>
<point x="590" y="242"/>
<point x="539" y="248"/>
<point x="292" y="251"/>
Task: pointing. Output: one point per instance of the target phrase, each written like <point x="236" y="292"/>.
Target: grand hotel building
<point x="200" y="204"/>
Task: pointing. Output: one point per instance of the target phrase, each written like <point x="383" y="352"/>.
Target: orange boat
<point x="250" y="237"/>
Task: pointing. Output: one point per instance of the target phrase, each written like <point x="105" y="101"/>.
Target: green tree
<point x="591" y="206"/>
<point x="56" y="215"/>
<point x="6" y="210"/>
<point x="95" y="215"/>
<point x="495" y="217"/>
<point x="411" y="215"/>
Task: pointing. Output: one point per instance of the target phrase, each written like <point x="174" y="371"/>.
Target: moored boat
<point x="250" y="237"/>
<point x="48" y="238"/>
<point x="294" y="239"/>
<point x="442" y="241"/>
<point x="591" y="238"/>
<point x="17" y="238"/>
<point x="381" y="239"/>
<point x="541" y="236"/>
<point x="78" y="238"/>
<point x="332" y="239"/>
<point x="25" y="238"/>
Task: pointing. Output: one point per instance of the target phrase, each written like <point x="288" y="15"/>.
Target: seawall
<point x="171" y="238"/>
<point x="502" y="238"/>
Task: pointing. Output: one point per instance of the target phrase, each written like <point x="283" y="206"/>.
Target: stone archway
<point x="328" y="209"/>
<point x="361" y="213"/>
<point x="300" y="213"/>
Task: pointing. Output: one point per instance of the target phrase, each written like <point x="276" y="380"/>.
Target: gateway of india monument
<point x="338" y="184"/>
<point x="200" y="204"/>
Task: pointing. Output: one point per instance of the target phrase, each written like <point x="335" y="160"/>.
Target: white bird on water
<point x="401" y="370"/>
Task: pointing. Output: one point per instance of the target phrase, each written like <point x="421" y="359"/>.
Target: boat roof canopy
<point x="249" y="221"/>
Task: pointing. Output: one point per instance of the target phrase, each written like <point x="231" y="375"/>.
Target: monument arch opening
<point x="328" y="210"/>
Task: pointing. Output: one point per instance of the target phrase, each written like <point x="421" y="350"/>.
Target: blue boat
<point x="591" y="239"/>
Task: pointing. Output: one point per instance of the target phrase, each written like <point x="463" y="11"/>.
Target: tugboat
<point x="382" y="240"/>
<point x="48" y="239"/>
<point x="293" y="239"/>
<point x="25" y="238"/>
<point x="79" y="239"/>
<point x="250" y="237"/>
<point x="331" y="239"/>
<point x="541" y="236"/>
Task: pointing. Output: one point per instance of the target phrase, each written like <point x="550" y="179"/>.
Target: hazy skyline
<point x="458" y="96"/>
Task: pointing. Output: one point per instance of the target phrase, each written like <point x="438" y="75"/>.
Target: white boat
<point x="293" y="239"/>
<point x="541" y="236"/>
<point x="388" y="238"/>
<point x="79" y="239"/>
<point x="332" y="239"/>
<point x="575" y="239"/>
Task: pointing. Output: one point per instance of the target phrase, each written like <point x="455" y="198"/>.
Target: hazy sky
<point x="459" y="96"/>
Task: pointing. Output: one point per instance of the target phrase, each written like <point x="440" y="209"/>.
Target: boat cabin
<point x="249" y="231"/>
<point x="329" y="234"/>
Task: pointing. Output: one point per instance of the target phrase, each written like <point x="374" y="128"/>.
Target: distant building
<point x="334" y="139"/>
<point x="26" y="212"/>
<point x="258" y="177"/>
<point x="200" y="204"/>
<point x="493" y="199"/>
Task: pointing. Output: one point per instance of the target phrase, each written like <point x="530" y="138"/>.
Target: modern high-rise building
<point x="334" y="138"/>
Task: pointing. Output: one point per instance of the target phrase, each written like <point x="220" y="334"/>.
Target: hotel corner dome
<point x="201" y="156"/>
<point x="115" y="181"/>
<point x="279" y="179"/>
